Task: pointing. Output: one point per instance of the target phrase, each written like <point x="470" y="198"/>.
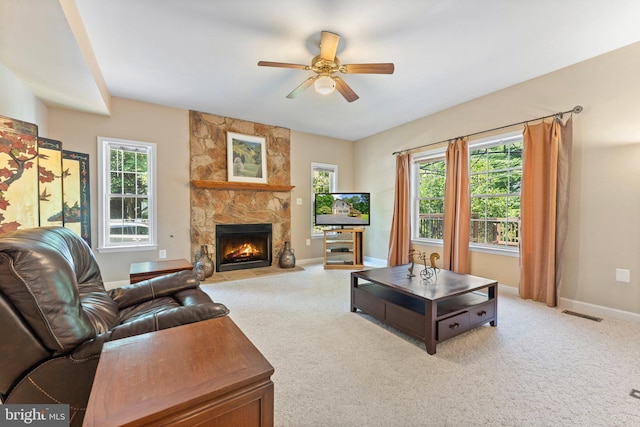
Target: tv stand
<point x="343" y="249"/>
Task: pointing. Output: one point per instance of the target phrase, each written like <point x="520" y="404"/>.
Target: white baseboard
<point x="584" y="307"/>
<point x="310" y="261"/>
<point x="599" y="310"/>
<point x="507" y="289"/>
<point x="369" y="261"/>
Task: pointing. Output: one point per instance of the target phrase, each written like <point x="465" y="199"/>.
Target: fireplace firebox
<point x="241" y="246"/>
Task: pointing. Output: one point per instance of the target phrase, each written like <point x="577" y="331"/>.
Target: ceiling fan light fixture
<point x="326" y="65"/>
<point x="325" y="85"/>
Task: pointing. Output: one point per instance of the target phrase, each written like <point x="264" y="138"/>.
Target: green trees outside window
<point x="129" y="194"/>
<point x="324" y="179"/>
<point x="431" y="178"/>
<point x="495" y="175"/>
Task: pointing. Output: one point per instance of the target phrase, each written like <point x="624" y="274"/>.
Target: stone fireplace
<point x="240" y="246"/>
<point x="216" y="201"/>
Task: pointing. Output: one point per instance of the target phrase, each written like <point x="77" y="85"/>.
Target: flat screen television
<point x="343" y="209"/>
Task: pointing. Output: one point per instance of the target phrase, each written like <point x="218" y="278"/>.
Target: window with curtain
<point x="428" y="181"/>
<point x="495" y="173"/>
<point x="126" y="179"/>
<point x="324" y="179"/>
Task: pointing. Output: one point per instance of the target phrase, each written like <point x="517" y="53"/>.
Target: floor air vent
<point x="584" y="316"/>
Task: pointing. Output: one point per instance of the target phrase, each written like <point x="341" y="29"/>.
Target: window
<point x="429" y="173"/>
<point x="126" y="179"/>
<point x="495" y="174"/>
<point x="324" y="179"/>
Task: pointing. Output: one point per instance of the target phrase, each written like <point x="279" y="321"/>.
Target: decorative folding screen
<point x="40" y="183"/>
<point x="76" y="193"/>
<point x="18" y="175"/>
<point x="50" y="181"/>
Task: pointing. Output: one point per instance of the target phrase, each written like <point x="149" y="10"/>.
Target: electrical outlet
<point x="308" y="242"/>
<point x="162" y="253"/>
<point x="299" y="201"/>
<point x="623" y="275"/>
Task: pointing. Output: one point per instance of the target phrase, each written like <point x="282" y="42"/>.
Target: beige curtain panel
<point x="544" y="202"/>
<point x="457" y="207"/>
<point x="400" y="236"/>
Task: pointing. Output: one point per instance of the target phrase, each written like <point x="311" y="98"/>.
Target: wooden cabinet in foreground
<point x="204" y="373"/>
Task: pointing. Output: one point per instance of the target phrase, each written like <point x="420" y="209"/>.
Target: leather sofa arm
<point x="170" y="318"/>
<point x="199" y="307"/>
<point x="153" y="288"/>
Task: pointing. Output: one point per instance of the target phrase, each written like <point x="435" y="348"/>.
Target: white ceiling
<point x="202" y="54"/>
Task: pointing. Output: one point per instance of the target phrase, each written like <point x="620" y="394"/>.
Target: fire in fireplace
<point x="245" y="252"/>
<point x="240" y="246"/>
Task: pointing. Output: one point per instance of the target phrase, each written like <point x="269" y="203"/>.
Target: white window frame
<point x="104" y="189"/>
<point x="488" y="142"/>
<point x="438" y="154"/>
<point x="432" y="155"/>
<point x="333" y="186"/>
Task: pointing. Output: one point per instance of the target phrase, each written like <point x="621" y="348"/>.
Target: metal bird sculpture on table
<point x="431" y="270"/>
<point x="434" y="256"/>
<point x="411" y="253"/>
<point x="428" y="271"/>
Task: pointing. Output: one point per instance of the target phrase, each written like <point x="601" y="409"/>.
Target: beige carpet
<point x="538" y="367"/>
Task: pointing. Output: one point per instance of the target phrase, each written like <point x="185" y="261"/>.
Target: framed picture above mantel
<point x="246" y="158"/>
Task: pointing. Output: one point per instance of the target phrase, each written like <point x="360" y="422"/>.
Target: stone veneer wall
<point x="208" y="149"/>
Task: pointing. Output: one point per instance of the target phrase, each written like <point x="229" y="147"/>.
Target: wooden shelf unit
<point x="343" y="249"/>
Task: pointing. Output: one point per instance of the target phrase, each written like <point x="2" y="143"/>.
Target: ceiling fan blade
<point x="386" y="68"/>
<point x="282" y="65"/>
<point x="328" y="45"/>
<point x="302" y="87"/>
<point x="345" y="90"/>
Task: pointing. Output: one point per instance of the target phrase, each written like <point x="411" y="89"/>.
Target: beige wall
<point x="604" y="229"/>
<point x="166" y="127"/>
<point x="305" y="149"/>
<point x="17" y="102"/>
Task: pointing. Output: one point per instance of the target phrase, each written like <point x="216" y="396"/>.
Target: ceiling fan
<point x="326" y="65"/>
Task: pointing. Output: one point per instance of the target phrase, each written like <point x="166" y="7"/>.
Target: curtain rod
<point x="577" y="110"/>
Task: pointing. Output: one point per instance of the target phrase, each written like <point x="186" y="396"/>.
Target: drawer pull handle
<point x="454" y="325"/>
<point x="482" y="313"/>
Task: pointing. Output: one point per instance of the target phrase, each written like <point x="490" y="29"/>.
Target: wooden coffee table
<point x="431" y="310"/>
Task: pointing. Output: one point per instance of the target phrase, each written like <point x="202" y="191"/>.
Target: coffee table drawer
<point x="369" y="303"/>
<point x="403" y="318"/>
<point x="452" y="326"/>
<point x="482" y="313"/>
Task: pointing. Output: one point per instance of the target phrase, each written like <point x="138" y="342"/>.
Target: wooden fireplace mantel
<point x="243" y="186"/>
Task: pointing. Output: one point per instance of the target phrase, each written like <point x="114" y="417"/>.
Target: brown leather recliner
<point x="55" y="315"/>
